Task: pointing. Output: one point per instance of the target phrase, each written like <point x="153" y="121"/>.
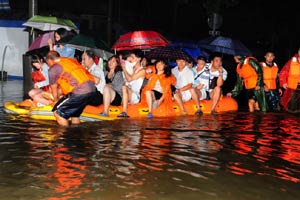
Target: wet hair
<point x="62" y="32"/>
<point x="125" y="54"/>
<point x="270" y="51"/>
<point x="147" y="60"/>
<point x="201" y="58"/>
<point x="37" y="58"/>
<point x="118" y="67"/>
<point x="215" y="55"/>
<point x="91" y="54"/>
<point x="52" y="55"/>
<point x="167" y="69"/>
<point x="65" y="36"/>
<point x="138" y="53"/>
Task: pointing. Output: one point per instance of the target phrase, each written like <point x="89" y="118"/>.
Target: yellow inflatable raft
<point x="90" y="113"/>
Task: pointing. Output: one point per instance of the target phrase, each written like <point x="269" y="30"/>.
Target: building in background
<point x="13" y="44"/>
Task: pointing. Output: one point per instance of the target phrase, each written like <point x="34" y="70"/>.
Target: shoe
<point x="213" y="112"/>
<point x="149" y="115"/>
<point x="123" y="114"/>
<point x="199" y="113"/>
<point x="103" y="114"/>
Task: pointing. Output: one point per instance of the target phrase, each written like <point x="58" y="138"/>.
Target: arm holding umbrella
<point x="61" y="36"/>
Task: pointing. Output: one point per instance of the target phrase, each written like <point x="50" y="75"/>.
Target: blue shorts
<point x="72" y="105"/>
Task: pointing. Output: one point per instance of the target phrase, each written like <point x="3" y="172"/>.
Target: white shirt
<point x="44" y="83"/>
<point x="184" y="77"/>
<point x="136" y="84"/>
<point x="97" y="72"/>
<point x="201" y="77"/>
<point x="158" y="87"/>
<point x="216" y="73"/>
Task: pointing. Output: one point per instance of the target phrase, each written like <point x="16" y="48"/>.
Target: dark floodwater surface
<point x="232" y="156"/>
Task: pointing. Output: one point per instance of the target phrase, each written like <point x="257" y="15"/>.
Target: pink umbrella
<point x="42" y="41"/>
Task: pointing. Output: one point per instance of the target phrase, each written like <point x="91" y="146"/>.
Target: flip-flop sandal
<point x="123" y="114"/>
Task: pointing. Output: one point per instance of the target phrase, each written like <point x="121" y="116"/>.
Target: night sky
<point x="259" y="24"/>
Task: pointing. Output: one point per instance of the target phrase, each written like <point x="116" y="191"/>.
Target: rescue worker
<point x="76" y="84"/>
<point x="271" y="81"/>
<point x="290" y="81"/>
<point x="250" y="75"/>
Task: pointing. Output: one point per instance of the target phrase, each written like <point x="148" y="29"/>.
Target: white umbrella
<point x="49" y="23"/>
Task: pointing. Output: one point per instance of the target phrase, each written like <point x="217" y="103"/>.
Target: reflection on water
<point x="230" y="156"/>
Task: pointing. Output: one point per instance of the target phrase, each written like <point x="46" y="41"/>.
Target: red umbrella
<point x="41" y="41"/>
<point x="139" y="40"/>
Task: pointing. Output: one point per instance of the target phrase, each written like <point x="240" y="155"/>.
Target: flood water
<point x="233" y="156"/>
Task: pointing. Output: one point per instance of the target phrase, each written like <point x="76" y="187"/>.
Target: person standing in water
<point x="76" y="84"/>
<point x="290" y="81"/>
<point x="250" y="75"/>
<point x="271" y="81"/>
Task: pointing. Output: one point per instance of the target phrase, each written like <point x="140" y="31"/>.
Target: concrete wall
<point x="14" y="36"/>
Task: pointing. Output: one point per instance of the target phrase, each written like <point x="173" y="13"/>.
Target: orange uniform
<point x="294" y="74"/>
<point x="72" y="69"/>
<point x="248" y="73"/>
<point x="270" y="75"/>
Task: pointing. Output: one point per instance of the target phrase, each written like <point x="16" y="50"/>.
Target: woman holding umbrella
<point x="62" y="35"/>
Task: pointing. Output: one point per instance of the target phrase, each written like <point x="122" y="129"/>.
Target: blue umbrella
<point x="224" y="45"/>
<point x="190" y="48"/>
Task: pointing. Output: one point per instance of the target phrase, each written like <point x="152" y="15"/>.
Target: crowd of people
<point x="129" y="78"/>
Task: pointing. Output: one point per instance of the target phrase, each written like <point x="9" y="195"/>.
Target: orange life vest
<point x="72" y="70"/>
<point x="270" y="75"/>
<point x="165" y="83"/>
<point x="248" y="73"/>
<point x="294" y="74"/>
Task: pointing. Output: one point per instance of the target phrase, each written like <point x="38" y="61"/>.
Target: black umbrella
<point x="225" y="45"/>
<point x="168" y="53"/>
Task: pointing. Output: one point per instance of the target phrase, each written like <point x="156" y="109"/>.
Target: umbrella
<point x="49" y="23"/>
<point x="41" y="41"/>
<point x="224" y="45"/>
<point x="190" y="48"/>
<point x="139" y="40"/>
<point x="168" y="53"/>
<point x="41" y="51"/>
<point x="84" y="42"/>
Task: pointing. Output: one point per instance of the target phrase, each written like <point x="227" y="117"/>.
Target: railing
<point x="3" y="74"/>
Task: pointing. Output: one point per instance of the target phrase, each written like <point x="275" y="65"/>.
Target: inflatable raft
<point x="90" y="113"/>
